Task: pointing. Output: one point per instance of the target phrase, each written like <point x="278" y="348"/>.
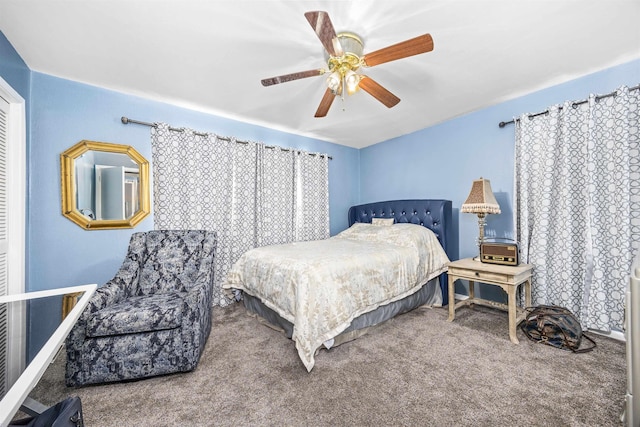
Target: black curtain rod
<point x="126" y="121"/>
<point x="575" y="104"/>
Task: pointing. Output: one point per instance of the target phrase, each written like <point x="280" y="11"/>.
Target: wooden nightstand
<point x="507" y="277"/>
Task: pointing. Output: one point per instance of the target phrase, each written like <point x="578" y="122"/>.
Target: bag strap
<point x="584" y="350"/>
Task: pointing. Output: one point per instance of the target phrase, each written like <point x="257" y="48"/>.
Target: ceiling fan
<point x="345" y="58"/>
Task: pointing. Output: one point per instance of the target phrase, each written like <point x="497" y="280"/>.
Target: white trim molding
<point x="16" y="170"/>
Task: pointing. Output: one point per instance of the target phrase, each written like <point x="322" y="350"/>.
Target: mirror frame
<point x="69" y="190"/>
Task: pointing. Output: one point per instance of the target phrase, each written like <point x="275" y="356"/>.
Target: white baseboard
<point x="616" y="335"/>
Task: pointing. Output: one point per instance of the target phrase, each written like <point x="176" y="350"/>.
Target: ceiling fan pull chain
<point x="342" y="91"/>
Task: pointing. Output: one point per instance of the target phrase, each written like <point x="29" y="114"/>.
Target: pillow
<point x="382" y="221"/>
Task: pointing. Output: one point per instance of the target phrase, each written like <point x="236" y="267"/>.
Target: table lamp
<point x="481" y="202"/>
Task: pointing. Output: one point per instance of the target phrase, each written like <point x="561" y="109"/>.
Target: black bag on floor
<point x="555" y="326"/>
<point x="67" y="413"/>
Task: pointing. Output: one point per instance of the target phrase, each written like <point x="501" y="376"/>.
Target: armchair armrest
<point x="196" y="318"/>
<point x="112" y="292"/>
<point x="198" y="298"/>
<point x="122" y="285"/>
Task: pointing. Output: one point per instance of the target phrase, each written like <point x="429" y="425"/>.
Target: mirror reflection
<point x="104" y="185"/>
<point x="107" y="185"/>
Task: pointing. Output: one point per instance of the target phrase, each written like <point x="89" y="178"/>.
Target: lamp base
<point x="482" y="222"/>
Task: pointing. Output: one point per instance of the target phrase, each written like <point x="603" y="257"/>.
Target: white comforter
<point x="321" y="286"/>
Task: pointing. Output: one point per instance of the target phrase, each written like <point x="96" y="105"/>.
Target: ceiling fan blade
<point x="323" y="27"/>
<point x="374" y="89"/>
<point x="289" y="77"/>
<point x="325" y="104"/>
<point x="414" y="46"/>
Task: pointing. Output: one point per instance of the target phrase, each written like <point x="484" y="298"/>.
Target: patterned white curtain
<point x="312" y="200"/>
<point x="245" y="191"/>
<point x="276" y="200"/>
<point x="577" y="186"/>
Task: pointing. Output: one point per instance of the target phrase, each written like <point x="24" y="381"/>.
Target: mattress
<point x="320" y="287"/>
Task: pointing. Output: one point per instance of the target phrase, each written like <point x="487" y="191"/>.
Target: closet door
<point x="4" y="242"/>
<point x="12" y="232"/>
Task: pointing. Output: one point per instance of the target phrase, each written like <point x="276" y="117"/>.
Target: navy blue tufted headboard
<point x="431" y="213"/>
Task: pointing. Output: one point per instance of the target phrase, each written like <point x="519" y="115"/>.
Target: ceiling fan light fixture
<point x="334" y="81"/>
<point x="351" y="43"/>
<point x="343" y="77"/>
<point x="351" y="81"/>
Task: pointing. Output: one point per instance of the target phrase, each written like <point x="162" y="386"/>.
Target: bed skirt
<point x="429" y="294"/>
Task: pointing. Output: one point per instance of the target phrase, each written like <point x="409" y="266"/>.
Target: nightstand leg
<point x="452" y="298"/>
<point x="527" y="293"/>
<point x="472" y="290"/>
<point x="511" y="292"/>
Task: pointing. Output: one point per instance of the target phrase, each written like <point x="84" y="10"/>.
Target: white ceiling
<point x="211" y="55"/>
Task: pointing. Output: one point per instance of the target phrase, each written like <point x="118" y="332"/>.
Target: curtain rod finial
<point x="124" y="120"/>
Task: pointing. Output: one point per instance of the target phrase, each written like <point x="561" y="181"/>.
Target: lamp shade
<point x="481" y="199"/>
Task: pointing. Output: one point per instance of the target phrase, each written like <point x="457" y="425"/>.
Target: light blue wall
<point x="65" y="112"/>
<point x="13" y="69"/>
<point x="61" y="253"/>
<point x="442" y="161"/>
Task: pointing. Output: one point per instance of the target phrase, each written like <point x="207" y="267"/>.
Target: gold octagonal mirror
<point x="104" y="186"/>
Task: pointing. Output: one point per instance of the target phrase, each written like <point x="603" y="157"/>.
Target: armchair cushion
<point x="137" y="315"/>
<point x="172" y="263"/>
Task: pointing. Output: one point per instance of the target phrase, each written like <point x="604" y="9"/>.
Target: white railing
<point x="20" y="390"/>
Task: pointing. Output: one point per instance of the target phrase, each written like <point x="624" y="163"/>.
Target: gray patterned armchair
<point x="153" y="317"/>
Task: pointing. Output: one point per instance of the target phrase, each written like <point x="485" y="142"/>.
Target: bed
<point x="326" y="292"/>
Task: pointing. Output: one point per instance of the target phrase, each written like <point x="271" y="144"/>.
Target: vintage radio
<point x="500" y="253"/>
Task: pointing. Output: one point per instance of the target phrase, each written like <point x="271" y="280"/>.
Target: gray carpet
<point x="417" y="369"/>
